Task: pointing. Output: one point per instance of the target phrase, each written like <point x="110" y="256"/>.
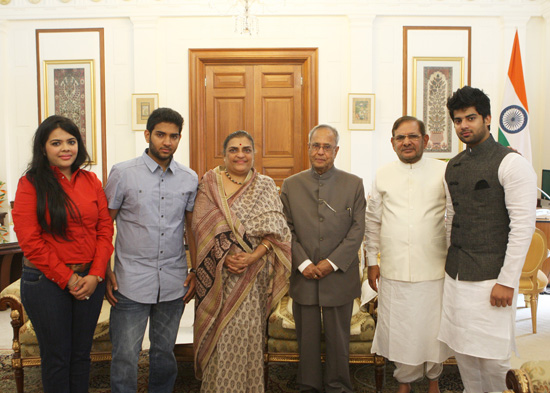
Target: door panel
<point x="229" y="99"/>
<point x="271" y="93"/>
<point x="278" y="112"/>
<point x="278" y="121"/>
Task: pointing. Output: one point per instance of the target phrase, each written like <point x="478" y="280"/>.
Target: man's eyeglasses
<point x="412" y="137"/>
<point x="317" y="146"/>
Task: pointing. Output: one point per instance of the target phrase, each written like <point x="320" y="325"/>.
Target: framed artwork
<point x="436" y="61"/>
<point x="142" y="106"/>
<point x="361" y="111"/>
<point x="434" y="80"/>
<point x="69" y="90"/>
<point x="60" y="68"/>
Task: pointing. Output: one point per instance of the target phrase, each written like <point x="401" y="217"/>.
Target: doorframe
<point x="308" y="58"/>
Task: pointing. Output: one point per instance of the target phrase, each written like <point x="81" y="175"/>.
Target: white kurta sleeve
<point x="519" y="181"/>
<point x="449" y="214"/>
<point x="373" y="225"/>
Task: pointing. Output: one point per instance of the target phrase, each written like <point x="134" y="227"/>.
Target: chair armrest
<point x="519" y="381"/>
<point x="17" y="317"/>
<point x="11" y="297"/>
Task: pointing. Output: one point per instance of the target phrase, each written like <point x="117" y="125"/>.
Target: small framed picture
<point x="361" y="112"/>
<point x="142" y="106"/>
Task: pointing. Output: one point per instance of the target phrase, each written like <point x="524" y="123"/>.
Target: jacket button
<point x="321" y="219"/>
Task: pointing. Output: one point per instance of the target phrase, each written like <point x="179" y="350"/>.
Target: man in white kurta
<point x="405" y="223"/>
<point x="490" y="219"/>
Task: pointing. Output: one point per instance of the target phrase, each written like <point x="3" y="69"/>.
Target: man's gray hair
<point x="334" y="131"/>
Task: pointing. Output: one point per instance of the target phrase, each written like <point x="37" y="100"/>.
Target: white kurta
<point x="469" y="324"/>
<point x="405" y="223"/>
<point x="408" y="322"/>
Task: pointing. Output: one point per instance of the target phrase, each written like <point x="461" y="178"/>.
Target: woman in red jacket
<point x="65" y="231"/>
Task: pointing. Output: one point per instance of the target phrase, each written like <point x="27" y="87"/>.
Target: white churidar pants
<point x="405" y="373"/>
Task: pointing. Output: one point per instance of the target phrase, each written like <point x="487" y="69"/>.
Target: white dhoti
<point x="409" y="314"/>
<point x="483" y="336"/>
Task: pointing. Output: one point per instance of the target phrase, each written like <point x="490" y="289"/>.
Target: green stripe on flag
<point x="502" y="138"/>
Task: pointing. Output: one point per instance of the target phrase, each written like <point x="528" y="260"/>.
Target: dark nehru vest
<point x="481" y="224"/>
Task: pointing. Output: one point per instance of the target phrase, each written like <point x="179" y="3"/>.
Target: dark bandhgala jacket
<point x="479" y="235"/>
<point x="326" y="214"/>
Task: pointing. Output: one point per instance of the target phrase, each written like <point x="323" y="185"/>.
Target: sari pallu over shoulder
<point x="219" y="223"/>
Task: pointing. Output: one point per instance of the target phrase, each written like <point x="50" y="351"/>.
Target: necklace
<point x="230" y="178"/>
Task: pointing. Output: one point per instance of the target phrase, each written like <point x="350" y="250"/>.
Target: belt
<point x="75" y="267"/>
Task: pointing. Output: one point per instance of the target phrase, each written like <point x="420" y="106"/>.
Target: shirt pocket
<point x="484" y="194"/>
<point x="133" y="202"/>
<point x="341" y="223"/>
<point x="178" y="203"/>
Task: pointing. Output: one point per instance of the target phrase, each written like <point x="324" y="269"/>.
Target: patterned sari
<point x="231" y="310"/>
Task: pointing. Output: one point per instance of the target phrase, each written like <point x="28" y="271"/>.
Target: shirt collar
<point x="325" y="175"/>
<point x="60" y="175"/>
<point x="153" y="165"/>
<point x="418" y="164"/>
<point x="483" y="147"/>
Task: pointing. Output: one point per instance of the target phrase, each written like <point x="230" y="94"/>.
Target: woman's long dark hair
<point x="48" y="190"/>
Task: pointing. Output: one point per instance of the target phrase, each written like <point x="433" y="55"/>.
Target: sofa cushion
<point x="281" y="323"/>
<point x="291" y="346"/>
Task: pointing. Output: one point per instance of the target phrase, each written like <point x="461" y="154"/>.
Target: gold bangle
<point x="266" y="247"/>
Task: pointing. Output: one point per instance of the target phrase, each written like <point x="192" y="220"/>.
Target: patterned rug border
<point x="282" y="378"/>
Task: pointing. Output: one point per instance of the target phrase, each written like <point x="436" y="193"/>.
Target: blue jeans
<point x="127" y="328"/>
<point x="64" y="328"/>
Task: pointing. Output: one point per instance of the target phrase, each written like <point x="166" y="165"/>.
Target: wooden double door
<point x="273" y="98"/>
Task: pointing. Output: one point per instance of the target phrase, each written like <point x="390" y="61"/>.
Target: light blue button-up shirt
<point x="150" y="262"/>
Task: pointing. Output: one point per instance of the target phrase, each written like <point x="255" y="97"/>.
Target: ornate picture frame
<point x="361" y="111"/>
<point x="434" y="80"/>
<point x="69" y="90"/>
<point x="70" y="46"/>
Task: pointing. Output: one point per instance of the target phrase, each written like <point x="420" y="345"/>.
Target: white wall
<point x="360" y="50"/>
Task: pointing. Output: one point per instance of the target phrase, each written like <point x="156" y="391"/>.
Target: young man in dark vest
<point x="491" y="204"/>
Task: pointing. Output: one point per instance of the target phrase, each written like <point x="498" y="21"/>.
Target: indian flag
<point x="513" y="122"/>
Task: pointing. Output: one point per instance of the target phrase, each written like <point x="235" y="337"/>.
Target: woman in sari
<point x="243" y="265"/>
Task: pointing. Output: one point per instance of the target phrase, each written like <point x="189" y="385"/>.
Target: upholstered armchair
<point x="518" y="381"/>
<point x="536" y="375"/>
